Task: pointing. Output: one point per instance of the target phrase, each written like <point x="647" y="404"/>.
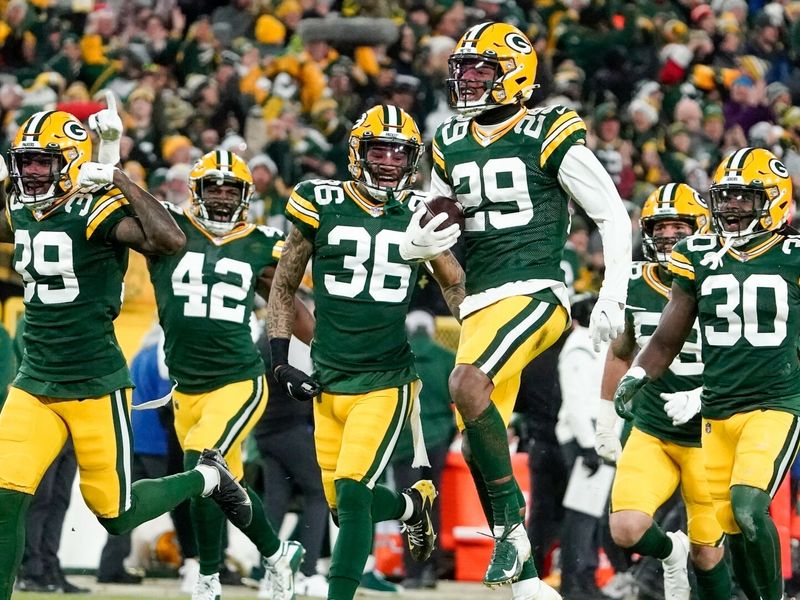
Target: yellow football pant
<point x="503" y="338"/>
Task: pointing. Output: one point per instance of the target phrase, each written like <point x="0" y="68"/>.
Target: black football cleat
<point x="229" y="495"/>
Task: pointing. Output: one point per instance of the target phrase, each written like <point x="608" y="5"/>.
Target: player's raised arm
<point x="152" y="230"/>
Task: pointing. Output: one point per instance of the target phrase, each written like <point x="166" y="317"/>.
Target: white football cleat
<point x="676" y="574"/>
<point x="207" y="588"/>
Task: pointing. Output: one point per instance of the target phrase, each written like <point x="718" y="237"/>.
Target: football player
<point x="205" y="295"/>
<point x="514" y="170"/>
<point x="663" y="450"/>
<point x="741" y="283"/>
<point x="72" y="222"/>
<point x="362" y="360"/>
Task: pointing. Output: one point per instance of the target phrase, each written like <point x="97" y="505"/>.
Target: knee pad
<point x="352" y="496"/>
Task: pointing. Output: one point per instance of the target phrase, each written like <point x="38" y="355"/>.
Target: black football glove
<point x="296" y="383"/>
<point x="591" y="460"/>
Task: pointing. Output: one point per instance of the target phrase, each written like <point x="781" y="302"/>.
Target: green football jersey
<point x="205" y="296"/>
<point x="749" y="313"/>
<point x="72" y="278"/>
<point x="362" y="287"/>
<point x="516" y="210"/>
<point x="647" y="297"/>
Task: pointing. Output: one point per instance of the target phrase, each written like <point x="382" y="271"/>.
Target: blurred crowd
<point x="667" y="87"/>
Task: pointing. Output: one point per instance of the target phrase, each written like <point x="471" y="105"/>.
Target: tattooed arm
<point x="281" y="316"/>
<point x="304" y="320"/>
<point x="152" y="230"/>
<point x="288" y="275"/>
<point x="450" y="276"/>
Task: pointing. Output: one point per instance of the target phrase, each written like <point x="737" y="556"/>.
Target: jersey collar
<point x="650" y="275"/>
<point x="486" y="135"/>
<point x="239" y="231"/>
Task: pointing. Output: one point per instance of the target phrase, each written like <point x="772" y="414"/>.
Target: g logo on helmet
<point x="75" y="131"/>
<point x="518" y="43"/>
<point x="778" y="168"/>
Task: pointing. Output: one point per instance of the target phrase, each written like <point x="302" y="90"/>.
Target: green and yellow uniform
<point x="72" y="378"/>
<point x="658" y="456"/>
<point x="516" y="227"/>
<point x="361" y="354"/>
<point x="749" y="313"/>
<point x="205" y="296"/>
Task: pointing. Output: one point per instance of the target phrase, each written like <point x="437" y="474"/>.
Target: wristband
<point x="279" y="348"/>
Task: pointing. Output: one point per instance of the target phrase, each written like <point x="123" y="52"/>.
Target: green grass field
<point x="167" y="589"/>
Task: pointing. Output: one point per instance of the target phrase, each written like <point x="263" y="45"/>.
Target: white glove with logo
<point x="606" y="436"/>
<point x="3" y="169"/>
<point x="108" y="125"/>
<point x="682" y="406"/>
<point x="424" y="243"/>
<point x="607" y="322"/>
<point x="93" y="173"/>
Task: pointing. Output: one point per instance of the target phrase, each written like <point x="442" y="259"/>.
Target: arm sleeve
<point x="108" y="209"/>
<point x="585" y="179"/>
<point x="680" y="265"/>
<point x="439" y="187"/>
<point x="572" y="370"/>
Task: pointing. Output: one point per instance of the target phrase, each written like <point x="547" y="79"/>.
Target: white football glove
<point x="95" y="173"/>
<point x="108" y="125"/>
<point x="606" y="322"/>
<point x="3" y="169"/>
<point x="682" y="406"/>
<point x="606" y="436"/>
<point x="424" y="243"/>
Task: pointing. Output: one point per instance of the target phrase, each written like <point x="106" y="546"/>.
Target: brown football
<point x="443" y="204"/>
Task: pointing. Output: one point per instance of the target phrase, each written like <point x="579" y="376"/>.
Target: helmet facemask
<point x="737" y="211"/>
<point x="657" y="248"/>
<point x="473" y="96"/>
<point x="36" y="174"/>
<point x="387" y="165"/>
<point x="221" y="201"/>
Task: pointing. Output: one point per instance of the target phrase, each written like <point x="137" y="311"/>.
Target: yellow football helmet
<point x="670" y="202"/>
<point x="46" y="157"/>
<point x="751" y="194"/>
<point x="221" y="185"/>
<point x="498" y="46"/>
<point x="384" y="149"/>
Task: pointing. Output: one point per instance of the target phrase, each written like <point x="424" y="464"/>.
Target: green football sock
<point x="153" y="497"/>
<point x="387" y="504"/>
<point x="208" y="522"/>
<point x="260" y="532"/>
<point x="354" y="542"/>
<point x="528" y="570"/>
<point x="654" y="542"/>
<point x="714" y="584"/>
<point x="13" y="508"/>
<point x="741" y="566"/>
<point x="480" y="486"/>
<point x="751" y="510"/>
<point x="488" y="443"/>
<point x="209" y="525"/>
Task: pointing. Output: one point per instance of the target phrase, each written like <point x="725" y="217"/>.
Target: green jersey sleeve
<point x="681" y="268"/>
<point x="109" y="207"/>
<point x="302" y="208"/>
<point x="564" y="129"/>
<point x="438" y="156"/>
<point x="275" y="240"/>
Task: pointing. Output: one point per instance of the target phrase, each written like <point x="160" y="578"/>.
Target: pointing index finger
<point x="111" y="101"/>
